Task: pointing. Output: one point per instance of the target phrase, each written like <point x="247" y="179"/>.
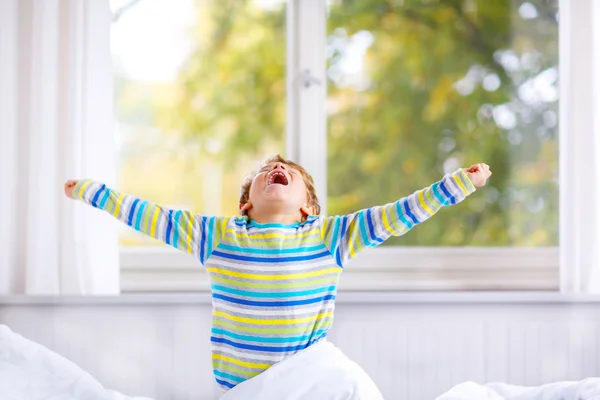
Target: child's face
<point x="280" y="188"/>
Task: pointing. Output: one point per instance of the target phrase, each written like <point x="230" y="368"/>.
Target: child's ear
<point x="307" y="210"/>
<point x="244" y="207"/>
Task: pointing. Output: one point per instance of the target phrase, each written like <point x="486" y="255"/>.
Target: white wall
<point x="415" y="346"/>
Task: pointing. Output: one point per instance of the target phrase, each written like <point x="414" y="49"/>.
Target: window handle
<point x="307" y="79"/>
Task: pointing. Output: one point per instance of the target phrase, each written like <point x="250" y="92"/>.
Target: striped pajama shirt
<point x="273" y="285"/>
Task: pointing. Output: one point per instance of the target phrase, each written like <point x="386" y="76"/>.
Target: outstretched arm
<point x="192" y="233"/>
<point x="345" y="236"/>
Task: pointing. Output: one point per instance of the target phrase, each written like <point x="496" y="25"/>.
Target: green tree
<point x="444" y="83"/>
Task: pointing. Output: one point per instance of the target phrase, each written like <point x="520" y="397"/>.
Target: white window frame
<point x="394" y="268"/>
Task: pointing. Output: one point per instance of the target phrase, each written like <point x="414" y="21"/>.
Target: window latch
<point x="307" y="80"/>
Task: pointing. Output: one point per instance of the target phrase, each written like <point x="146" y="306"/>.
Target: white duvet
<point x="588" y="389"/>
<point x="29" y="371"/>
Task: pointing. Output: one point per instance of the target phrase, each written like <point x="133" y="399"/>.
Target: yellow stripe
<point x="235" y="370"/>
<point x="386" y="222"/>
<point x="424" y="204"/>
<point x="277" y="285"/>
<point x="263" y="329"/>
<point x="459" y="182"/>
<point x="82" y="189"/>
<point x="352" y="229"/>
<point x="432" y="200"/>
<point x="154" y="219"/>
<point x="118" y="205"/>
<point x="189" y="232"/>
<point x="268" y="321"/>
<point x="224" y="222"/>
<point x="274" y="235"/>
<point x="324" y="225"/>
<point x="273" y="277"/>
<point x="240" y="363"/>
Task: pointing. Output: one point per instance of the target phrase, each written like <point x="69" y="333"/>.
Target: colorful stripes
<point x="273" y="285"/>
<point x="371" y="227"/>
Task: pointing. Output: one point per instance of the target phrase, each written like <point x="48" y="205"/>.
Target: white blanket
<point x="320" y="372"/>
<point x="588" y="389"/>
<point x="29" y="371"/>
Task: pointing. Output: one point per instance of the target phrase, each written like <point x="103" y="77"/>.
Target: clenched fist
<point x="478" y="174"/>
<point x="69" y="185"/>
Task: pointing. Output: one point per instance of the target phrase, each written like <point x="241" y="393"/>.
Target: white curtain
<point x="56" y="123"/>
<point x="579" y="147"/>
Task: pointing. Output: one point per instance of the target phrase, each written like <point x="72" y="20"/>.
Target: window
<point x="200" y="99"/>
<point x="414" y="88"/>
<point x="420" y="88"/>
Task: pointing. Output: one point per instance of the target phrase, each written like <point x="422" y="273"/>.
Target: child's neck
<point x="270" y="218"/>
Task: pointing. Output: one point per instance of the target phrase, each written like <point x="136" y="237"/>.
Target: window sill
<point x="348" y="297"/>
<point x="384" y="269"/>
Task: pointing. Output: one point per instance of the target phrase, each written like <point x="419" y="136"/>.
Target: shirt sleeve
<point x="191" y="233"/>
<point x="345" y="236"/>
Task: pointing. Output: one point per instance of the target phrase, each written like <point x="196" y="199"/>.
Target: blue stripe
<point x="271" y="251"/>
<point x="96" y="195"/>
<point x="371" y="227"/>
<point x="363" y="231"/>
<point x="131" y="212"/>
<point x="338" y="257"/>
<point x="211" y="229"/>
<point x="104" y="199"/>
<point x="273" y="303"/>
<point x="447" y="193"/>
<point x="228" y="376"/>
<point x="335" y="240"/>
<point x="169" y="226"/>
<point x="409" y="212"/>
<point x="263" y="226"/>
<point x="270" y="260"/>
<point x="273" y="295"/>
<point x="224" y="383"/>
<point x="176" y="229"/>
<point x="258" y="348"/>
<point x="140" y="213"/>
<point x="202" y="238"/>
<point x="264" y="339"/>
<point x="406" y="222"/>
<point x="437" y="194"/>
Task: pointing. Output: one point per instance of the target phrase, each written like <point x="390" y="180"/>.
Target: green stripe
<point x="268" y="330"/>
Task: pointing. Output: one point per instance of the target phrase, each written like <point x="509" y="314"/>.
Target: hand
<point x="69" y="185"/>
<point x="478" y="174"/>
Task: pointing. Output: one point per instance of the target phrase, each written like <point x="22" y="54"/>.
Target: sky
<point x="149" y="42"/>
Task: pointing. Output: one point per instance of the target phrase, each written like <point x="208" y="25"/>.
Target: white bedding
<point x="29" y="371"/>
<point x="588" y="389"/>
<point x="320" y="372"/>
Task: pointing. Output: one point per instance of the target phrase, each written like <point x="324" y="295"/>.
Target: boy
<point x="274" y="270"/>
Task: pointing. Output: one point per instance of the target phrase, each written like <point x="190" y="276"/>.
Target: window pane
<point x="420" y="88"/>
<point x="200" y="99"/>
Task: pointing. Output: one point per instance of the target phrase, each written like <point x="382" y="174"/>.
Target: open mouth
<point x="277" y="177"/>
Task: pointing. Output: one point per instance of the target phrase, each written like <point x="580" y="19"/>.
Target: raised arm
<point x="345" y="236"/>
<point x="192" y="233"/>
